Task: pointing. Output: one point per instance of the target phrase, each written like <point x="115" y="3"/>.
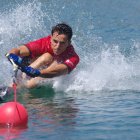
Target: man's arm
<point x="51" y="72"/>
<point x="20" y="51"/>
<point x="58" y="70"/>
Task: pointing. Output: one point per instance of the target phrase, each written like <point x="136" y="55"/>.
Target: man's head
<point x="63" y="28"/>
<point x="61" y="38"/>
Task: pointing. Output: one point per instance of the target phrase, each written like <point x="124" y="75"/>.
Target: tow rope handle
<point x="16" y="65"/>
<point x="15" y="69"/>
<point x="13" y="63"/>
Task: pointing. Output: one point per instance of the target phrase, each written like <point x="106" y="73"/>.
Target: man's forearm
<point x="50" y="74"/>
<point x="59" y="70"/>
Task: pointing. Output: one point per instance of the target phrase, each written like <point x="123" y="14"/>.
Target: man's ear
<point x="69" y="43"/>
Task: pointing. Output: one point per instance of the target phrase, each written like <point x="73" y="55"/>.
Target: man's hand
<point x="14" y="57"/>
<point x="31" y="72"/>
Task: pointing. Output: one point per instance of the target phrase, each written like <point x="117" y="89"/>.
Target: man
<point x="54" y="55"/>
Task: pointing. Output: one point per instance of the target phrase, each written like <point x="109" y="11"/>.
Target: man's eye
<point x="62" y="43"/>
<point x="55" y="41"/>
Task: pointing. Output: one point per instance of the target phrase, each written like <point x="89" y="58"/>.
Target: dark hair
<point x="63" y="28"/>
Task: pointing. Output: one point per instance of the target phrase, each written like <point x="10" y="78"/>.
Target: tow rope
<point x="14" y="75"/>
<point x="11" y="127"/>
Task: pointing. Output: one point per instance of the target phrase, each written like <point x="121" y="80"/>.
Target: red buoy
<point x="15" y="113"/>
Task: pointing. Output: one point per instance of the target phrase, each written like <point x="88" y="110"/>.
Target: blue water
<point x="100" y="99"/>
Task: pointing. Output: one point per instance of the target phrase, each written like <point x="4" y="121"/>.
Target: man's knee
<point x="46" y="59"/>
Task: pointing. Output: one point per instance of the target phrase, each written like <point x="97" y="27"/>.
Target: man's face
<point x="59" y="43"/>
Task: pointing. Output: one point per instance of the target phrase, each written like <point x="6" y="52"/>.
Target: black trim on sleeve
<point x="28" y="49"/>
<point x="69" y="68"/>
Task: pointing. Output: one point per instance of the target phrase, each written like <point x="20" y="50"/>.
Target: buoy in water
<point x="15" y="113"/>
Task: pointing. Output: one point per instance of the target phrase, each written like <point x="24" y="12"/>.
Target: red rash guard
<point x="43" y="45"/>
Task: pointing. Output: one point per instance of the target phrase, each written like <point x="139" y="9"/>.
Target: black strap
<point x="69" y="68"/>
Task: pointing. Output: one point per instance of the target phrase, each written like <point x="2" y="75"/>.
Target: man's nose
<point x="58" y="45"/>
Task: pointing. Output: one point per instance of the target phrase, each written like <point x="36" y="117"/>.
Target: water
<point x="100" y="99"/>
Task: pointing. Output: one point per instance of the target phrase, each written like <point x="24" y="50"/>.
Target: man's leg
<point x="44" y="60"/>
